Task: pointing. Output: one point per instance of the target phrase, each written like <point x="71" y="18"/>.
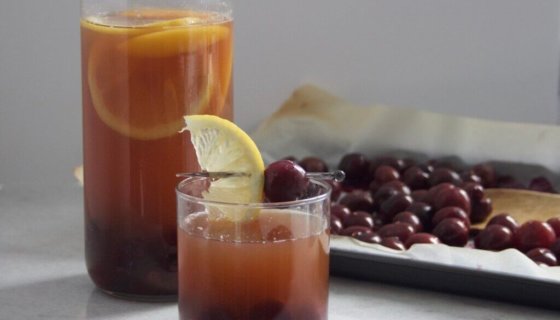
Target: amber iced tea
<point x="272" y="266"/>
<point x="142" y="70"/>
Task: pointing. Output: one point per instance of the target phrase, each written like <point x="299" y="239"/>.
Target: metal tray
<point x="438" y="277"/>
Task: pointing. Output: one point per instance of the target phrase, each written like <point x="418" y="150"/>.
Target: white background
<point x="495" y="59"/>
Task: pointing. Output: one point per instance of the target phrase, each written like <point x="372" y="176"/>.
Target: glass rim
<point x="261" y="205"/>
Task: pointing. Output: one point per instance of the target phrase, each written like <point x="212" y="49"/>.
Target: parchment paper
<point x="314" y="122"/>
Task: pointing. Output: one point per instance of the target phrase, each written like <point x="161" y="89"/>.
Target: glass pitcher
<point x="145" y="64"/>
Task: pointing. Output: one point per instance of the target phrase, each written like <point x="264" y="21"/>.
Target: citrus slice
<point x="221" y="146"/>
<point x="148" y="13"/>
<point x="139" y="84"/>
<point x="136" y="22"/>
<point x="98" y="25"/>
<point x="178" y="41"/>
<point x="142" y="109"/>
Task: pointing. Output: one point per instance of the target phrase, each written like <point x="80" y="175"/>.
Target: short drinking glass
<point x="253" y="260"/>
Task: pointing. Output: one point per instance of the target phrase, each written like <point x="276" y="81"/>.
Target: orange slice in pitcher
<point x="136" y="22"/>
<point x="172" y="42"/>
<point x="148" y="13"/>
<point x="141" y="88"/>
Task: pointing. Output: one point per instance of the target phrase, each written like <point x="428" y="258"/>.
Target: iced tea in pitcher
<point x="143" y="69"/>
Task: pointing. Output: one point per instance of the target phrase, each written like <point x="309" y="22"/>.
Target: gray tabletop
<point x="43" y="276"/>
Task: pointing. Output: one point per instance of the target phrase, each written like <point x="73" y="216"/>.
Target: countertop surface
<point x="43" y="275"/>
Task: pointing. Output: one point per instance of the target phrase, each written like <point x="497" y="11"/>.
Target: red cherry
<point x="400" y="230"/>
<point x="393" y="243"/>
<point x="421" y="238"/>
<point x="284" y="180"/>
<point x="494" y="237"/>
<point x="555" y="224"/>
<point x="452" y="231"/>
<point x="534" y="234"/>
<point x="542" y="255"/>
<point x="505" y="220"/>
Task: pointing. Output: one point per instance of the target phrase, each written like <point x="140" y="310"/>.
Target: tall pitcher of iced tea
<point x="145" y="64"/>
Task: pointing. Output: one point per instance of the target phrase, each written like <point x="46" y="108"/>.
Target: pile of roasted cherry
<point x="399" y="202"/>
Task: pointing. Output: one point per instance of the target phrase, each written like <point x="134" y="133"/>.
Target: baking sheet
<point x="448" y="278"/>
<point x="314" y="122"/>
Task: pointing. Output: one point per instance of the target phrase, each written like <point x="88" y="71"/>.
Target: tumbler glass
<point x="272" y="265"/>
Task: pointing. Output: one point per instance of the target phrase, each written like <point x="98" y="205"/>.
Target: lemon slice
<point x="221" y="146"/>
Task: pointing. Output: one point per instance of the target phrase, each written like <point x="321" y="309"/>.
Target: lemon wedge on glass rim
<point x="221" y="146"/>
